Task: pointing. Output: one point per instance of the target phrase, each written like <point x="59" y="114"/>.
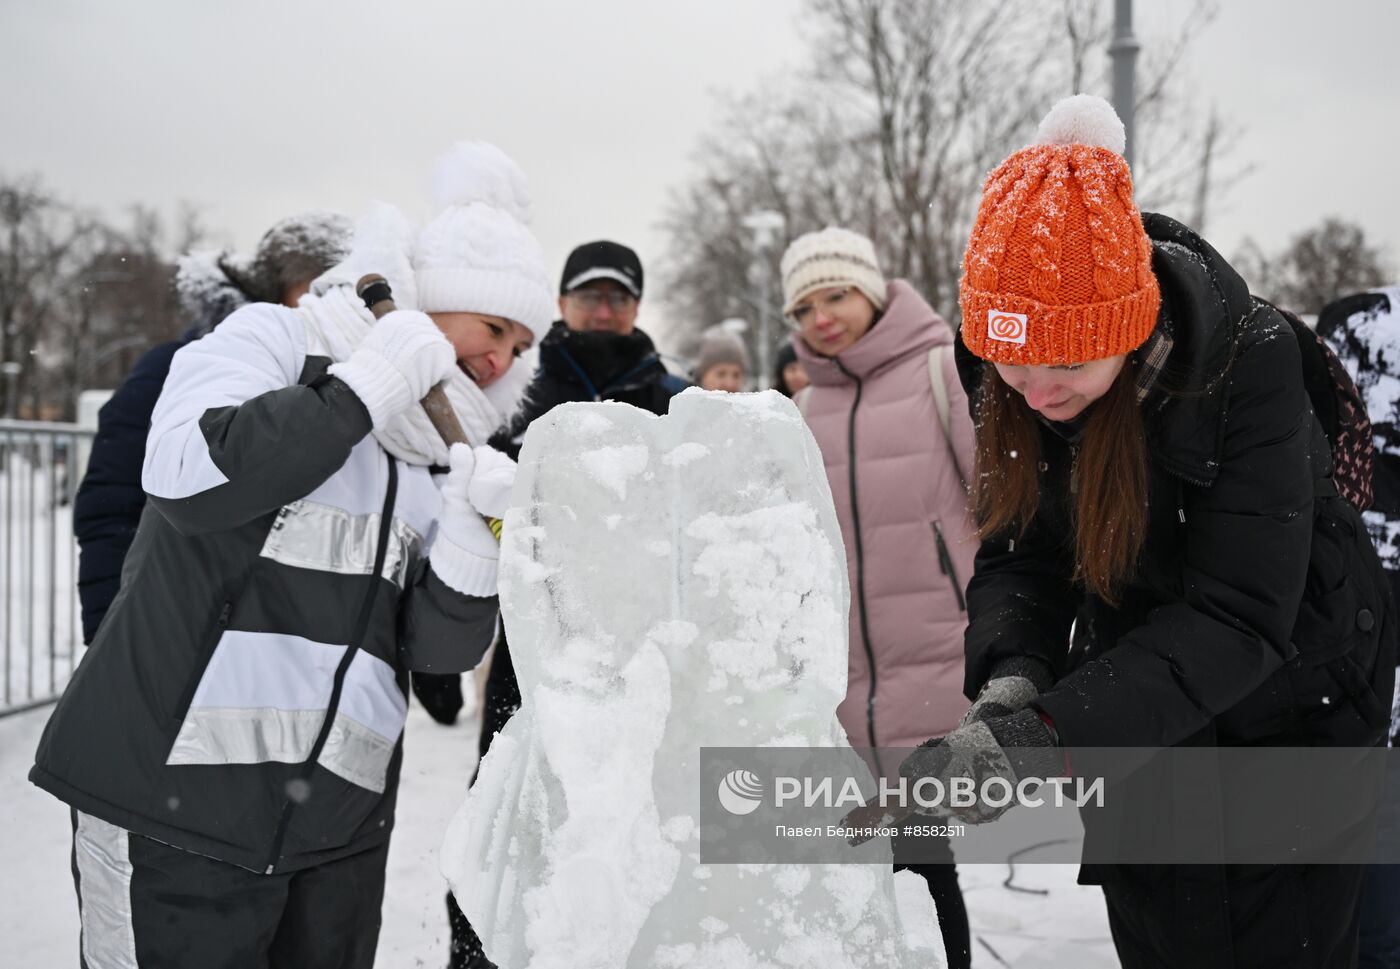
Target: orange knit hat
<point x="1058" y="269"/>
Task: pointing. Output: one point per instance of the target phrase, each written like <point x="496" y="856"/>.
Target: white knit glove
<point x="492" y="476"/>
<point x="464" y="553"/>
<point x="399" y="360"/>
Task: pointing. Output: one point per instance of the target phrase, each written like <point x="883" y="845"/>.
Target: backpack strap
<point x="940" y="388"/>
<point x="936" y="356"/>
<point x="1340" y="412"/>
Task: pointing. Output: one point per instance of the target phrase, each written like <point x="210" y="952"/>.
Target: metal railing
<point x="41" y="635"/>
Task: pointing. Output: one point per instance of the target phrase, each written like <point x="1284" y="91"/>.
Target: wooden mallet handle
<point x="379" y="297"/>
<point x="374" y="290"/>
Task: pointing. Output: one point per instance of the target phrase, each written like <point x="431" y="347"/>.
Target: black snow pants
<point x="932" y="860"/>
<point x="143" y="903"/>
<point x="943" y="885"/>
<point x="1236" y="916"/>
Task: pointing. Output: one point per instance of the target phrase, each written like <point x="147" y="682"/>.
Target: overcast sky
<point x="255" y="109"/>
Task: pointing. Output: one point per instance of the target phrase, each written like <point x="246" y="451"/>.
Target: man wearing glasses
<point x="594" y="351"/>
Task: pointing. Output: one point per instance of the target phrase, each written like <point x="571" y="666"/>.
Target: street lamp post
<point x="766" y="225"/>
<point x="1122" y="51"/>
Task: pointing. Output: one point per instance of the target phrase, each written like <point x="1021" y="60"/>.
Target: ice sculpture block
<point x="667" y="583"/>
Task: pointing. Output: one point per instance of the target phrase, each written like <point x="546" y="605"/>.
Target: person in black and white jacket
<point x="230" y="745"/>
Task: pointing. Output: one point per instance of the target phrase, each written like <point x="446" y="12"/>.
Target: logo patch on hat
<point x="1006" y="327"/>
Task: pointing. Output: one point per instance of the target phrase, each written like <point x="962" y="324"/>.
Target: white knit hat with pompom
<point x="478" y="255"/>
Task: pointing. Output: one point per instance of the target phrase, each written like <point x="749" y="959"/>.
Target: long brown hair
<point x="1108" y="482"/>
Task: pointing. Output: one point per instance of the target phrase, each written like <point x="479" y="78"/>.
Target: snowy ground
<point x="38" y="917"/>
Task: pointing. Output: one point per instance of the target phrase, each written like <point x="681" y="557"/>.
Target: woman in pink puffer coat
<point x="897" y="481"/>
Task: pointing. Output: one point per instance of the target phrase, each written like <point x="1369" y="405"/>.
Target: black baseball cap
<point x="602" y="260"/>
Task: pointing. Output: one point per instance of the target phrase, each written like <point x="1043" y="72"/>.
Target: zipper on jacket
<point x="356" y="639"/>
<point x="182" y="708"/>
<point x="945" y="563"/>
<point x="860" y="566"/>
<point x="587" y="384"/>
<point x="620" y="385"/>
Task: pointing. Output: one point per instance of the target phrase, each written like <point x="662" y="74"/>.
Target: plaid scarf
<point x="1152" y="357"/>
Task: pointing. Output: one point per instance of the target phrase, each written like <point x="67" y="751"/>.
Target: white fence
<point x="40" y="631"/>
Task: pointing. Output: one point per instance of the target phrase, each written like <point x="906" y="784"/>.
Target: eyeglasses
<point x="591" y="299"/>
<point x="806" y="311"/>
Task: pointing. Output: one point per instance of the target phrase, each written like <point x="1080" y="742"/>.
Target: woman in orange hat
<point x="1164" y="560"/>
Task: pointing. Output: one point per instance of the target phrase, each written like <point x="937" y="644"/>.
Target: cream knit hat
<point x="831" y="257"/>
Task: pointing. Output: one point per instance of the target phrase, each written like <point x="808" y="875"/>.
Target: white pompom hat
<point x="478" y="254"/>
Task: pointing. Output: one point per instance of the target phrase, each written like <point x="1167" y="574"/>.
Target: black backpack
<point x="1339" y="408"/>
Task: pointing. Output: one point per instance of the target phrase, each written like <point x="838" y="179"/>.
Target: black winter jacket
<point x="1259" y="616"/>
<point x="110" y="500"/>
<point x="1253" y="574"/>
<point x="591" y="366"/>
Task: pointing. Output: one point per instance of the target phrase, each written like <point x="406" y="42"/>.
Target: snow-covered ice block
<point x="667" y="584"/>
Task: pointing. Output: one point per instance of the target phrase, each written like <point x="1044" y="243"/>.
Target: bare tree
<point x="798" y="162"/>
<point x="41" y="241"/>
<point x="80" y="299"/>
<point x="123" y="301"/>
<point x="915" y="102"/>
<point x="940" y="87"/>
<point x="1318" y="265"/>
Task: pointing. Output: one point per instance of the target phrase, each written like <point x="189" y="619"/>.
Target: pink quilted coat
<point x="902" y="500"/>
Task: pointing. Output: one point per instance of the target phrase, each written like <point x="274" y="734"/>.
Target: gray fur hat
<point x="296" y="249"/>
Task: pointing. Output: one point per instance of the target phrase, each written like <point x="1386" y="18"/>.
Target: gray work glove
<point x="1015" y="682"/>
<point x="1014" y="747"/>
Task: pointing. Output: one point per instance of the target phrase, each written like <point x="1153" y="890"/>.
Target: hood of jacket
<point x="1206" y="302"/>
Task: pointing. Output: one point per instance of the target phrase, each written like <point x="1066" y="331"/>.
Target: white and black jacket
<point x="246" y="694"/>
